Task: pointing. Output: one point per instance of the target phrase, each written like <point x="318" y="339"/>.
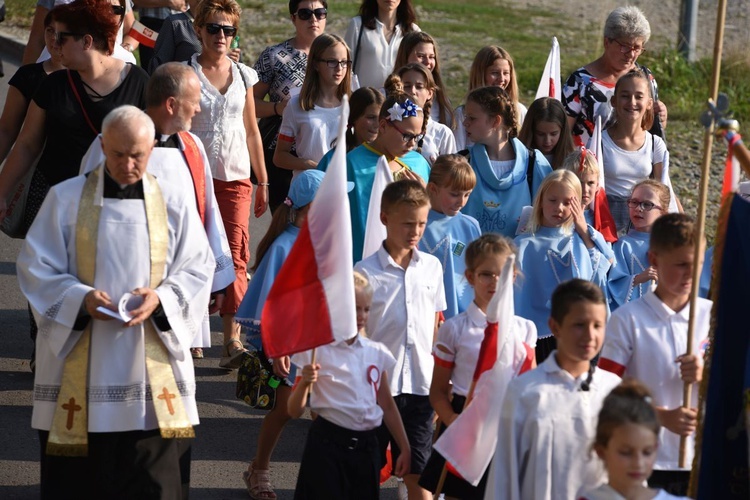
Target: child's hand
<point x="648" y="275"/>
<point x="403" y="464"/>
<point x="411" y="175"/>
<point x="579" y="220"/>
<point x="310" y="374"/>
<point x="681" y="421"/>
<point x="691" y="368"/>
<point x="282" y="366"/>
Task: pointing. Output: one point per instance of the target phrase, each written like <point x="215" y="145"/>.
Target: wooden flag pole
<point x="708" y="138"/>
<point x="444" y="472"/>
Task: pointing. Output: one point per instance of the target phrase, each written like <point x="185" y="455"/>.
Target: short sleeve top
<point x="282" y="68"/>
<point x="27" y="79"/>
<point x="220" y="124"/>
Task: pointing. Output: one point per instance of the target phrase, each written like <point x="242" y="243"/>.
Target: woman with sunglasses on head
<point x="281" y="70"/>
<point x="229" y="131"/>
<point x="311" y="119"/>
<point x="375" y="36"/>
<point x="69" y="106"/>
<point x="588" y="90"/>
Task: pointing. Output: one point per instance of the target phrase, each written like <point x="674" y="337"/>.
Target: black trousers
<point x="120" y="465"/>
<point x="338" y="463"/>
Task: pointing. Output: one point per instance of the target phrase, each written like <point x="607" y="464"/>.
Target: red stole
<point x="197" y="171"/>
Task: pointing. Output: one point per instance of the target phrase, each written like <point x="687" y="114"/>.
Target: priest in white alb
<point x="114" y="389"/>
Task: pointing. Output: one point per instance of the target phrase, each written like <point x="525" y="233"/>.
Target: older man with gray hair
<point x="113" y="268"/>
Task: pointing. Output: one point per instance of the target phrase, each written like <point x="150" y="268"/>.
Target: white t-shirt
<point x="644" y="337"/>
<point x="438" y="140"/>
<point x="311" y="131"/>
<point x="624" y="169"/>
<point x="402" y="314"/>
<point x="221" y="126"/>
<point x="346" y="392"/>
<point x="462" y="336"/>
<point x="377" y="55"/>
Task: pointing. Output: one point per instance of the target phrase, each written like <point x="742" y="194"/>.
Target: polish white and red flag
<point x="468" y="444"/>
<point x="603" y="220"/>
<point x="311" y="302"/>
<point x="374" y="228"/>
<point x="550" y="84"/>
<point x="143" y="34"/>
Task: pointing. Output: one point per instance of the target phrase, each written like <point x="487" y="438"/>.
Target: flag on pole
<point x="143" y="35"/>
<point x="549" y="85"/>
<point x="665" y="179"/>
<point x="374" y="228"/>
<point x="468" y="444"/>
<point x="732" y="165"/>
<point x="603" y="220"/>
<point x="311" y="302"/>
<point x="721" y="462"/>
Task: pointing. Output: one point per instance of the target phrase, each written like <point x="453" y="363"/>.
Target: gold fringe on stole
<point x="721" y="233"/>
<point x="69" y="433"/>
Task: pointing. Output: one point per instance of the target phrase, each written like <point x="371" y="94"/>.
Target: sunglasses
<point x="119" y="10"/>
<point x="305" y="14"/>
<point x="407" y="138"/>
<point x="332" y="63"/>
<point x="646" y="206"/>
<point x="61" y="36"/>
<point x="213" y="28"/>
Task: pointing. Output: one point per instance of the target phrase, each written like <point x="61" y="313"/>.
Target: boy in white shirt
<point x="647" y="340"/>
<point x="549" y="414"/>
<point x="407" y="297"/>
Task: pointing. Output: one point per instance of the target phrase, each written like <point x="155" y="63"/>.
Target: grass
<point x="462" y="28"/>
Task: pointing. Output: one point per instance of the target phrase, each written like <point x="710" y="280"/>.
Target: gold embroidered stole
<point x="69" y="433"/>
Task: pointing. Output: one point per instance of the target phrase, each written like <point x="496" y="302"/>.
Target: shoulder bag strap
<point x="80" y="102"/>
<point x="359" y="43"/>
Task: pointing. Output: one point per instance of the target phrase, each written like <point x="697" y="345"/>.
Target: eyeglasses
<point x="213" y="28"/>
<point x="407" y="138"/>
<point x="60" y="36"/>
<point x="305" y="14"/>
<point x="487" y="278"/>
<point x="627" y="49"/>
<point x="646" y="206"/>
<point x="332" y="63"/>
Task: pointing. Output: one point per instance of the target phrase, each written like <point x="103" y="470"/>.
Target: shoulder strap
<point x="194" y="161"/>
<point x="80" y="102"/>
<point x="359" y="43"/>
<point x="530" y="171"/>
<point x="242" y="75"/>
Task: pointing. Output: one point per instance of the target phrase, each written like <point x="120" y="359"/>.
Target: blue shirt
<point x="446" y="238"/>
<point x="496" y="203"/>
<point x="631" y="253"/>
<point x="361" y="164"/>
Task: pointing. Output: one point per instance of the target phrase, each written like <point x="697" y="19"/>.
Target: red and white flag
<point x="550" y="84"/>
<point x="143" y="34"/>
<point x="374" y="228"/>
<point x="732" y="165"/>
<point x="468" y="444"/>
<point x="603" y="220"/>
<point x="311" y="302"/>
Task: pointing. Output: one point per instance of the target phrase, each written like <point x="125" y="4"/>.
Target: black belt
<point x="343" y="437"/>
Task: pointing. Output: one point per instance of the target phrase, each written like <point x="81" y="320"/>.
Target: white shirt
<point x="311" y="131"/>
<point x="402" y="314"/>
<point x="376" y="55"/>
<point x="547" y="426"/>
<point x="624" y="169"/>
<point x="645" y="337"/>
<point x="438" y="140"/>
<point x="606" y="492"/>
<point x="462" y="337"/>
<point x="348" y="382"/>
<point x="220" y="124"/>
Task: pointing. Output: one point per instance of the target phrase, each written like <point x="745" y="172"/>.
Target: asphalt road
<point x="225" y="439"/>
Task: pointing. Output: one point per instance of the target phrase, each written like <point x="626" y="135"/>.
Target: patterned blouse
<point x="282" y="68"/>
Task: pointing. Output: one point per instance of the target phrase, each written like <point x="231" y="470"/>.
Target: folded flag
<point x="374" y="228"/>
<point x="550" y="84"/>
<point x="603" y="220"/>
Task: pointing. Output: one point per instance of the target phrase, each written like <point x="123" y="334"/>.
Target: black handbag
<point x="256" y="383"/>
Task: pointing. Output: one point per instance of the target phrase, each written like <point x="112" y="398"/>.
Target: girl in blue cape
<point x="401" y="127"/>
<point x="558" y="247"/>
<point x="508" y="173"/>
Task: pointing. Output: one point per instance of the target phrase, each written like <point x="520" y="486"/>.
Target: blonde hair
<point x="565" y="178"/>
<point x="361" y="283"/>
<point x="311" y="86"/>
<point x="581" y="161"/>
<point x="483" y="60"/>
<point x="453" y="171"/>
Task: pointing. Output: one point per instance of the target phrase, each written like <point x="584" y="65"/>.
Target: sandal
<point x="232" y="356"/>
<point x="196" y="352"/>
<point x="258" y="483"/>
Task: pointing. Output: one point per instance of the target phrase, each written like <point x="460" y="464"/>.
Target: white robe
<point x="169" y="164"/>
<point x="119" y="394"/>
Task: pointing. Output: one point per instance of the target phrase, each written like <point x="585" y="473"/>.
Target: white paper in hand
<point x="127" y="303"/>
